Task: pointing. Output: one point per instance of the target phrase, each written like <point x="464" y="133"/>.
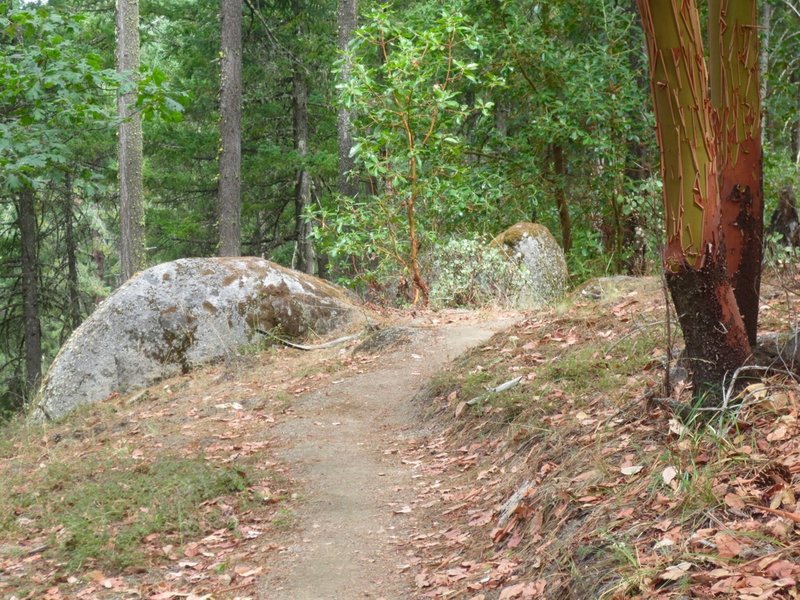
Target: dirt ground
<point x="330" y="508"/>
<point x="344" y="443"/>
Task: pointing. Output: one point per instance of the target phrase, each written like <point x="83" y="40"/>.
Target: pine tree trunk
<point x="305" y="245"/>
<point x="32" y="330"/>
<point x="694" y="259"/>
<point x="346" y="17"/>
<point x="131" y="189"/>
<point x="99" y="260"/>
<point x="230" y="158"/>
<point x="73" y="289"/>
<point x="736" y="97"/>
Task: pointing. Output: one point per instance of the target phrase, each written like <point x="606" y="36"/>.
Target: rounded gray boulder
<point x="181" y="314"/>
<point x="534" y="249"/>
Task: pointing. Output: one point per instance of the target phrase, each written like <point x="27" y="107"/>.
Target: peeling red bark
<point x="741" y="191"/>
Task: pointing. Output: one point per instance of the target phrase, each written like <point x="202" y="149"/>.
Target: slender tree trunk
<point x="795" y="142"/>
<point x="305" y="245"/>
<point x="30" y="288"/>
<point x="73" y="291"/>
<point x="559" y="181"/>
<point x="346" y="17"/>
<point x="736" y="97"/>
<point x="633" y="232"/>
<point x="230" y="158"/>
<point x="694" y="257"/>
<point x="501" y="117"/>
<point x="766" y="31"/>
<point x="131" y="188"/>
<point x="99" y="260"/>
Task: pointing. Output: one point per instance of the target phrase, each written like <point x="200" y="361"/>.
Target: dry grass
<point x="173" y="489"/>
<point x="614" y="496"/>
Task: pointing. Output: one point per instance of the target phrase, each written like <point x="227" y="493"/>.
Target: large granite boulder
<point x="180" y="314"/>
<point x="541" y="260"/>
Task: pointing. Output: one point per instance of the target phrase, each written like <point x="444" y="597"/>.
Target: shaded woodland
<point x="354" y="141"/>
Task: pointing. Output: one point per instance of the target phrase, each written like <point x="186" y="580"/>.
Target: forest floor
<point x="471" y="455"/>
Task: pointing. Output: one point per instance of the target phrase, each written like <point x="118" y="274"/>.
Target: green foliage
<point x="57" y="135"/>
<point x="52" y="89"/>
<point x="413" y="85"/>
<point x="459" y="108"/>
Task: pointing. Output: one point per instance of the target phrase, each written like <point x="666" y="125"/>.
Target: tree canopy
<point x="466" y="118"/>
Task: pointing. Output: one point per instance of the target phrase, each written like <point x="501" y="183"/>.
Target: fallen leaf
<point x="631" y="470"/>
<point x="245" y="571"/>
<point x="735" y="501"/>
<point x="676" y="572"/>
<point x="512" y="591"/>
<point x="677" y="427"/>
<point x="727" y="545"/>
<point x="781" y="433"/>
<point x="668" y="474"/>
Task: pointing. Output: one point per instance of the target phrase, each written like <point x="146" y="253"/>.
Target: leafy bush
<point x="470" y="273"/>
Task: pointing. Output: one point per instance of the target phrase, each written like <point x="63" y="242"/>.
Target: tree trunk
<point x="32" y="330"/>
<point x="304" y="253"/>
<point x="131" y="188"/>
<point x="736" y="97"/>
<point x="230" y="158"/>
<point x="559" y="180"/>
<point x="795" y="141"/>
<point x="73" y="291"/>
<point x="501" y="113"/>
<point x="346" y="17"/>
<point x="99" y="260"/>
<point x="766" y="29"/>
<point x="694" y="257"/>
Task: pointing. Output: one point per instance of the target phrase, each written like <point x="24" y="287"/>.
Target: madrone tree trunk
<point x="695" y="254"/>
<point x="736" y="98"/>
<point x="230" y="109"/>
<point x="129" y="146"/>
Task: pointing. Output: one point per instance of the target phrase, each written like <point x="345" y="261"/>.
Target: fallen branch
<point x="780" y="513"/>
<point x="330" y="344"/>
<point x="495" y="390"/>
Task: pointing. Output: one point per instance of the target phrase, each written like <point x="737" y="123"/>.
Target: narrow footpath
<point x="343" y="444"/>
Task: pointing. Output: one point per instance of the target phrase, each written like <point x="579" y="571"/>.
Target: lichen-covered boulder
<point x="541" y="260"/>
<point x="184" y="313"/>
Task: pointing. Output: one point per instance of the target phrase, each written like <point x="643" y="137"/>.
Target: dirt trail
<point x="343" y="444"/>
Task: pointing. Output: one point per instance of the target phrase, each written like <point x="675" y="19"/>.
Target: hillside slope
<point x="538" y="464"/>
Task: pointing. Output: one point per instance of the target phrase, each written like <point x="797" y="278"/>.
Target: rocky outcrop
<point x="181" y="314"/>
<point x="541" y="260"/>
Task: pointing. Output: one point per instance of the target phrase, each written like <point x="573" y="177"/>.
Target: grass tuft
<point x="102" y="510"/>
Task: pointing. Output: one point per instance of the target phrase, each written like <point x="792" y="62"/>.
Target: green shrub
<point x="470" y="273"/>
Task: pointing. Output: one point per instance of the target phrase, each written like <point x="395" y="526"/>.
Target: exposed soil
<point x="536" y="466"/>
<point x="344" y="442"/>
<point x="323" y="437"/>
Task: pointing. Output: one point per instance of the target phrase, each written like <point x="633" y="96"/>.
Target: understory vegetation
<point x="464" y="119"/>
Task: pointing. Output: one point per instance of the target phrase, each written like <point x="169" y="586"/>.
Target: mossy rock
<point x="534" y="249"/>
